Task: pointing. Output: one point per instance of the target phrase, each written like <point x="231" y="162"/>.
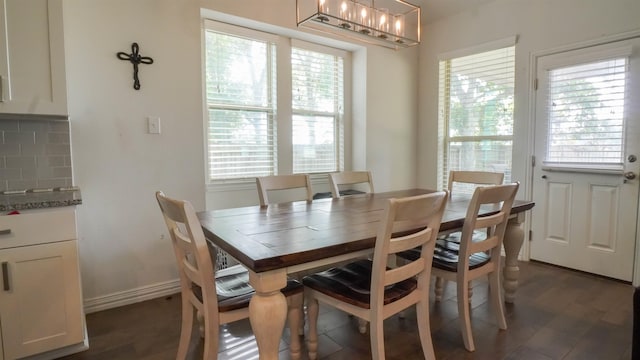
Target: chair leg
<point x="312" y="316"/>
<point x="295" y="304"/>
<point x="424" y="328"/>
<point x="496" y="299"/>
<point x="211" y="328"/>
<point x="185" y="330"/>
<point x="362" y="326"/>
<point x="439" y="288"/>
<point x="376" y="333"/>
<point x="470" y="291"/>
<point x="464" y="315"/>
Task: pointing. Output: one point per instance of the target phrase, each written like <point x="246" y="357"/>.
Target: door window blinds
<point x="585" y="111"/>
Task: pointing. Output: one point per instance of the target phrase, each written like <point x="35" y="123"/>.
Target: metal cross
<point x="135" y="59"/>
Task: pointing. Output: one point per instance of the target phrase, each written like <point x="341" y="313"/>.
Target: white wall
<point x="119" y="166"/>
<point x="540" y="25"/>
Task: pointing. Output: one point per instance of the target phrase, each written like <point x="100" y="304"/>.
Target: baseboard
<point x="132" y="296"/>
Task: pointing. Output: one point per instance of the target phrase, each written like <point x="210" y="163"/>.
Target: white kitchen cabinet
<point x="32" y="68"/>
<point x="40" y="293"/>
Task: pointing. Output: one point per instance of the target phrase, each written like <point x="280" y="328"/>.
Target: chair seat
<point x="235" y="292"/>
<point x="445" y="256"/>
<point x="351" y="283"/>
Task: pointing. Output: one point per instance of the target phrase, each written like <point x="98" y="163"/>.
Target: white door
<point x="587" y="140"/>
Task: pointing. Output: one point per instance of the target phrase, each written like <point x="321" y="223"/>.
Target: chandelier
<point x="390" y="23"/>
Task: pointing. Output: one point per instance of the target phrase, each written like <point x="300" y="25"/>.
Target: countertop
<point x="39" y="200"/>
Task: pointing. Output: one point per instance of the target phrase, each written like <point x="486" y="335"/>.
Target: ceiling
<point x="433" y="10"/>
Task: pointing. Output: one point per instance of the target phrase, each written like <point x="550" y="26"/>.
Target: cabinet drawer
<point x="37" y="227"/>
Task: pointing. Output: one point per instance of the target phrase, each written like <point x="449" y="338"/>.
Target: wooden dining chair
<point x="477" y="257"/>
<point x="371" y="291"/>
<point x="461" y="181"/>
<point x="349" y="178"/>
<point x="219" y="296"/>
<point x="283" y="182"/>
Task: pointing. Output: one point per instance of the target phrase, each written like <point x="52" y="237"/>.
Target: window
<point x="249" y="104"/>
<point x="585" y="109"/>
<point x="240" y="76"/>
<point x="318" y="105"/>
<point x="476" y="112"/>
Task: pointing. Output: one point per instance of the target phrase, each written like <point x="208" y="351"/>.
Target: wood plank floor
<point x="558" y="314"/>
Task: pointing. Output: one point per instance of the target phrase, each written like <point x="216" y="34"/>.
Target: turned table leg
<point x="513" y="239"/>
<point x="268" y="311"/>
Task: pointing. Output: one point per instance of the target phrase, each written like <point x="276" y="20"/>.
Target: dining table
<point x="286" y="238"/>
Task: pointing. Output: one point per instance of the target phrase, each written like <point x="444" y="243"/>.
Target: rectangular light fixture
<point x="390" y="23"/>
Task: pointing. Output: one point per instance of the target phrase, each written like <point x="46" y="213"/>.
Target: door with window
<point x="585" y="178"/>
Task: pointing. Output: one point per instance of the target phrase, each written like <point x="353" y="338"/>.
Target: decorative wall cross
<point x="135" y="59"/>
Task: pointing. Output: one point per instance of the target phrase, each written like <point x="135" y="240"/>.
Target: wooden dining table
<point x="279" y="239"/>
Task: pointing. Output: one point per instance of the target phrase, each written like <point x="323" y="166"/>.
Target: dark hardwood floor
<point x="558" y="314"/>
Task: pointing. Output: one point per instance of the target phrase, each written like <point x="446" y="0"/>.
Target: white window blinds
<point x="317" y="104"/>
<point x="240" y="89"/>
<point x="476" y="112"/>
<point x="586" y="113"/>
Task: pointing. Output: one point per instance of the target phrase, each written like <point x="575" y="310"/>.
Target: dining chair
<point x="368" y="289"/>
<point x="219" y="296"/>
<point x="464" y="180"/>
<point x="349" y="178"/>
<point x="283" y="182"/>
<point x="476" y="257"/>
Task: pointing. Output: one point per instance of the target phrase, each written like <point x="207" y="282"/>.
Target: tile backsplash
<point x="34" y="153"/>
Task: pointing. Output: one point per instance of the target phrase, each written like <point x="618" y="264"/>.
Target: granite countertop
<point x="39" y="200"/>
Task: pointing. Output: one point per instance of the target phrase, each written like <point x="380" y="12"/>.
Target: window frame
<point x="444" y="116"/>
<point x="339" y="124"/>
<point x="568" y="59"/>
<point x="283" y="105"/>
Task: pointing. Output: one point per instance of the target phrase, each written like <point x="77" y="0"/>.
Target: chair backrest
<point x="349" y="178"/>
<point x="499" y="196"/>
<point x="423" y="212"/>
<point x="192" y="253"/>
<point x="475" y="178"/>
<point x="282" y="182"/>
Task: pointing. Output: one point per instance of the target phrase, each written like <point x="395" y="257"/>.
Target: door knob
<point x="629" y="175"/>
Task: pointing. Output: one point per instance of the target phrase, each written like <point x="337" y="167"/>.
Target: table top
<point x="287" y="234"/>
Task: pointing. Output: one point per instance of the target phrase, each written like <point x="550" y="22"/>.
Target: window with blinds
<point x="317" y="103"/>
<point x="247" y="105"/>
<point x="240" y="82"/>
<point x="476" y="101"/>
<point x="586" y="113"/>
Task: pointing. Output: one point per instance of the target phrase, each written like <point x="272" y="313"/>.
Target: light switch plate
<point x="153" y="124"/>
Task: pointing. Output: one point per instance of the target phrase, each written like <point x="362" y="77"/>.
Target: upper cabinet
<point x="32" y="69"/>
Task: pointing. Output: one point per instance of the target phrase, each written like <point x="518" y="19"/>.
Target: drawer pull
<point x="5" y="231"/>
<point x="1" y="89"/>
<point x="5" y="276"/>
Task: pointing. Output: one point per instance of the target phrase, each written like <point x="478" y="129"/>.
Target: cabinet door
<point x="32" y="57"/>
<point x="40" y="298"/>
